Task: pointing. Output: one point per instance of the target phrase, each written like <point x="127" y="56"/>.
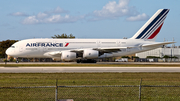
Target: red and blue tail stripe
<point x="153" y="26"/>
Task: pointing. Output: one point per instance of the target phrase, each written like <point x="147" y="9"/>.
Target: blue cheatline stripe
<point x="149" y="26"/>
<point x="162" y="18"/>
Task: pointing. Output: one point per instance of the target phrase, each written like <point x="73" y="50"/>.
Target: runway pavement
<point x="92" y="63"/>
<point x="86" y="69"/>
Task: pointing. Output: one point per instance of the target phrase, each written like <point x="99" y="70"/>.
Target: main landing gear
<point x="86" y="61"/>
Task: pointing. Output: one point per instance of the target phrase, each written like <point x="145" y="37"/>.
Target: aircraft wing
<point x="102" y="50"/>
<point x="157" y="44"/>
<point x="53" y="54"/>
<point x="110" y="49"/>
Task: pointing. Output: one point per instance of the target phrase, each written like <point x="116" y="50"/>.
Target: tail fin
<point x="152" y="27"/>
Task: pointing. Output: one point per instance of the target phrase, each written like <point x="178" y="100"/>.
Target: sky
<point x="109" y="19"/>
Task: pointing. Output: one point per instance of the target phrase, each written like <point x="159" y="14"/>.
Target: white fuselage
<point x="39" y="47"/>
<point x="77" y="49"/>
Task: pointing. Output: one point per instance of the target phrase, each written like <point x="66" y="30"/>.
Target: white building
<point x="160" y="52"/>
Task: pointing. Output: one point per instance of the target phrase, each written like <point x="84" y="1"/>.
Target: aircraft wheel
<point x="78" y="61"/>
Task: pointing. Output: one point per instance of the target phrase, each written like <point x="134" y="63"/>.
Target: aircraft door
<point x="118" y="43"/>
<point x="98" y="43"/>
<point x="128" y="49"/>
<point x="45" y="49"/>
<point x="20" y="49"/>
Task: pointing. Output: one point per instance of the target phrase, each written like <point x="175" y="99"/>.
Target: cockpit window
<point x="12" y="46"/>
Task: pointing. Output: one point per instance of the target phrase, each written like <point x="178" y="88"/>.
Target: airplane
<point x="86" y="50"/>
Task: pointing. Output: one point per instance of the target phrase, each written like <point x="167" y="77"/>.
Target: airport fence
<point x="91" y="93"/>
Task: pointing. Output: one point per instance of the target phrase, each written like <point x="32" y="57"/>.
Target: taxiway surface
<point x="86" y="69"/>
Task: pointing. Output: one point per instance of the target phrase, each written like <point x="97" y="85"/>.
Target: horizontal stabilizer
<point x="157" y="44"/>
<point x="110" y="49"/>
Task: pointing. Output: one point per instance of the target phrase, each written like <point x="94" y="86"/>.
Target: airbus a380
<point x="89" y="49"/>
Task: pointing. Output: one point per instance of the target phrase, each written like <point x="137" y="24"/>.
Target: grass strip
<point x="89" y="94"/>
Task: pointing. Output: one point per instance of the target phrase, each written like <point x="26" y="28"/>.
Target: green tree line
<point x="4" y="45"/>
<point x="64" y="35"/>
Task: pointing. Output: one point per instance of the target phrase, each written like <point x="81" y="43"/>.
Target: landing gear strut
<point x="86" y="61"/>
<point x="17" y="60"/>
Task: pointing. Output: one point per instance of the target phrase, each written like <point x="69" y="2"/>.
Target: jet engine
<point x="68" y="56"/>
<point x="90" y="54"/>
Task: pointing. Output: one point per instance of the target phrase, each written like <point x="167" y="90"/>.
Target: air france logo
<point x="66" y="44"/>
<point x="44" y="45"/>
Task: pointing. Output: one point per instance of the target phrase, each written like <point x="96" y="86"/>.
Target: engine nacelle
<point x="90" y="54"/>
<point x="68" y="56"/>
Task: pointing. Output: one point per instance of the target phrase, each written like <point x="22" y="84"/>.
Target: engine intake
<point x="68" y="56"/>
<point x="90" y="54"/>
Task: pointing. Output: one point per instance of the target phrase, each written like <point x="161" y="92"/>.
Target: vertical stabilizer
<point x="152" y="27"/>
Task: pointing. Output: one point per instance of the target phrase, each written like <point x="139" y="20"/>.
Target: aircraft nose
<point x="9" y="52"/>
